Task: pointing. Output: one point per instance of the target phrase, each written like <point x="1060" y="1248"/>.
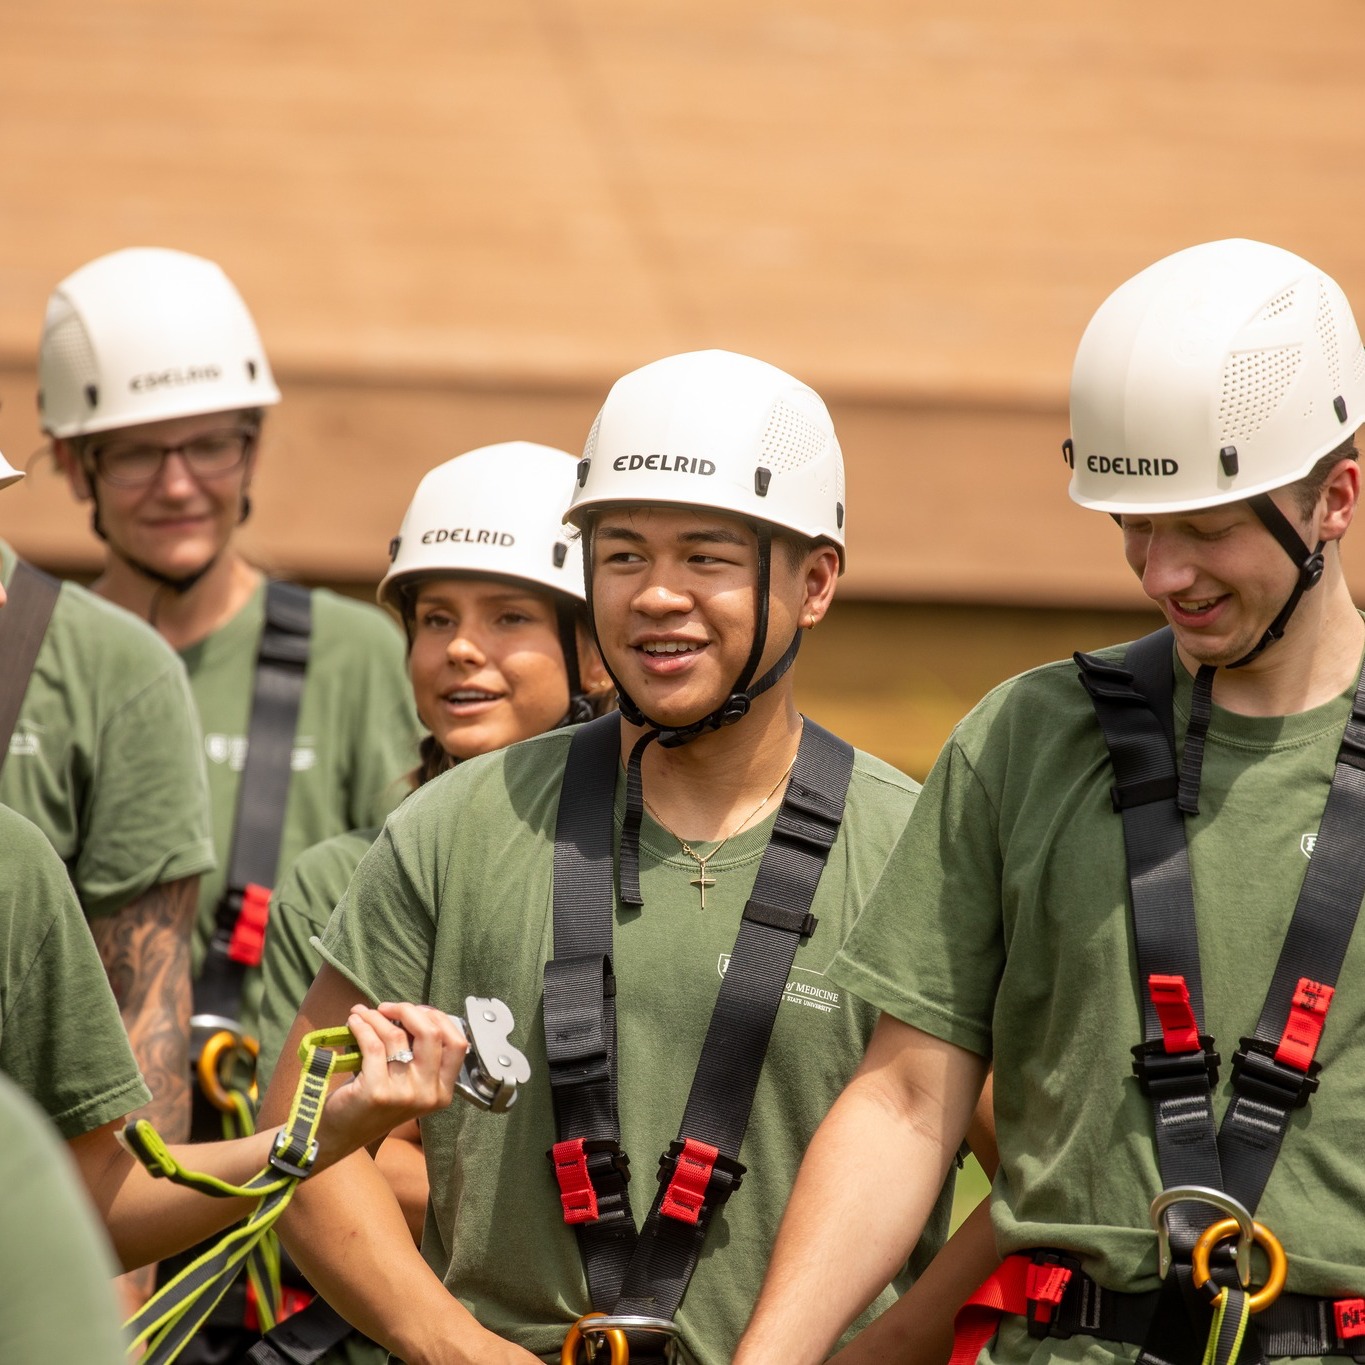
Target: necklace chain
<point x="701" y="881"/>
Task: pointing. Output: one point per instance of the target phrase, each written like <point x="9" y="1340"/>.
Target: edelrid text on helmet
<point x="145" y="335"/>
<point x="1219" y="373"/>
<point x="493" y="512"/>
<point x="721" y="431"/>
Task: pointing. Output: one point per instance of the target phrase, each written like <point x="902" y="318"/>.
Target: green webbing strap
<point x="1228" y="1329"/>
<point x="263" y="1260"/>
<point x="175" y="1313"/>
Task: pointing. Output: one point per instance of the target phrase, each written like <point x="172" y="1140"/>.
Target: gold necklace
<point x="701" y="881"/>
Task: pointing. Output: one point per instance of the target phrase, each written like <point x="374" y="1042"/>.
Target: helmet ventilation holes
<point x="1254" y="385"/>
<point x="1358" y="367"/>
<point x="1327" y="335"/>
<point x="791" y="440"/>
<point x="68" y="342"/>
<point x="589" y="449"/>
<point x="1281" y="303"/>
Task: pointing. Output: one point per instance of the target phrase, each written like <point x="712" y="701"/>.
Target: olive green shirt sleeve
<point x="106" y="757"/>
<point x="299" y="910"/>
<point x="56" y="1272"/>
<point x="61" y="1038"/>
<point x="928" y="947"/>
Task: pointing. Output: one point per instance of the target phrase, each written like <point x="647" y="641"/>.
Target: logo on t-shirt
<point x="23" y="743"/>
<point x="231" y="750"/>
<point x="820" y="997"/>
<point x="1307" y="844"/>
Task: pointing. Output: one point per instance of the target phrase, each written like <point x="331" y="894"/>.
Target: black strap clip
<point x="1165" y="1075"/>
<point x="1258" y="1075"/>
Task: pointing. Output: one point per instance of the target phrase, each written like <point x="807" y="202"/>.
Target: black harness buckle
<point x="1258" y="1075"/>
<point x="1164" y="1075"/>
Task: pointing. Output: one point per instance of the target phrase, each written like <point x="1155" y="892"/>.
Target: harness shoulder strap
<point x="1174" y="1063"/>
<point x="23" y="626"/>
<point x="579" y="1011"/>
<point x="701" y="1169"/>
<point x="258" y="827"/>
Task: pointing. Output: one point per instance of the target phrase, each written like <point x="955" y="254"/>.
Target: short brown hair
<point x="1306" y="491"/>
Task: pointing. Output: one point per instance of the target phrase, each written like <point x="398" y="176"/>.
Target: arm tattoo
<point x="145" y="948"/>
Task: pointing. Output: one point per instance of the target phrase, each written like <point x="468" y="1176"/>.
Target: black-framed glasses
<point x="207" y="455"/>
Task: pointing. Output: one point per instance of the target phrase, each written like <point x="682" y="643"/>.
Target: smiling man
<point x="1105" y="928"/>
<point x="670" y="882"/>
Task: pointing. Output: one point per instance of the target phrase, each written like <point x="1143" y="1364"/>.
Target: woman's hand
<point x="385" y="1093"/>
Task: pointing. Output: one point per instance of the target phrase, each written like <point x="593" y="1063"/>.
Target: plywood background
<point x="458" y="222"/>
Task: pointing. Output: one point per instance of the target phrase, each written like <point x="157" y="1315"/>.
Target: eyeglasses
<point x="133" y="466"/>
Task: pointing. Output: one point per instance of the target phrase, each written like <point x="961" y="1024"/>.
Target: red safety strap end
<point x="1043" y="1288"/>
<point x="686" y="1191"/>
<point x="576" y="1193"/>
<point x="248" y="934"/>
<point x="1171" y="996"/>
<point x="1303" y="1031"/>
<point x="1350" y="1318"/>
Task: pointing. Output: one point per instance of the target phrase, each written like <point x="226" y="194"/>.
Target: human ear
<point x="77" y="476"/>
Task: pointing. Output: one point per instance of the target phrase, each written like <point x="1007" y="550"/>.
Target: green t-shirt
<point x="299" y="910"/>
<point x="61" y="1038"/>
<point x="355" y="743"/>
<point x="1002" y="925"/>
<point x="56" y="1288"/>
<point x="454" y="899"/>
<point x="105" y="758"/>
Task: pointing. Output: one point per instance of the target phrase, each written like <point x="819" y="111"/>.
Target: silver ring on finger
<point x="402" y="1057"/>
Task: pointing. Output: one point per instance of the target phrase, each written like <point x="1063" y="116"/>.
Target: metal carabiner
<point x="493" y="1068"/>
<point x="595" y="1324"/>
<point x="1203" y="1194"/>
<point x="225" y="1043"/>
<point x="1225" y="1227"/>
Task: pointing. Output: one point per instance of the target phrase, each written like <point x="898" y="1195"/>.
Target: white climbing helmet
<point x="8" y="473"/>
<point x="143" y="335"/>
<point x="493" y="512"/>
<point x="717" y="430"/>
<point x="1218" y="373"/>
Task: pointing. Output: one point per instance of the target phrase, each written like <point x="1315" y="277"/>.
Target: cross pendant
<point x="701" y="881"/>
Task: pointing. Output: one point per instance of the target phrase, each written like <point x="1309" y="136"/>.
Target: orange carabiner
<point x="616" y="1340"/>
<point x="1227" y="1227"/>
<point x="211" y="1055"/>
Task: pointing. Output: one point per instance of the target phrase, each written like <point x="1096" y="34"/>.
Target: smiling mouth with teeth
<point x="471" y="694"/>
<point x="1203" y="604"/>
<point x="670" y="647"/>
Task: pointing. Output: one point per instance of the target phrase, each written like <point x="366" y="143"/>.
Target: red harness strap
<point x="1171" y="997"/>
<point x="1303" y="1028"/>
<point x="576" y="1191"/>
<point x="1017" y="1285"/>
<point x="248" y="934"/>
<point x="686" y="1191"/>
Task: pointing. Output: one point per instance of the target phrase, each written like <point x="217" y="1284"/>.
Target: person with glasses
<point x="153" y="386"/>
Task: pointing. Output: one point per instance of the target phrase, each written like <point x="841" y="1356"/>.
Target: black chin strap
<point x="566" y="620"/>
<point x="1310" y="565"/>
<point x="735" y="707"/>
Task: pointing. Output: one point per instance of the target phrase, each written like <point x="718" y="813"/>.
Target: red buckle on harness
<point x="248" y="934"/>
<point x="1302" y="1032"/>
<point x="576" y="1193"/>
<point x="291" y="1301"/>
<point x="1350" y="1317"/>
<point x="1044" y="1286"/>
<point x="1171" y="996"/>
<point x="687" y="1187"/>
